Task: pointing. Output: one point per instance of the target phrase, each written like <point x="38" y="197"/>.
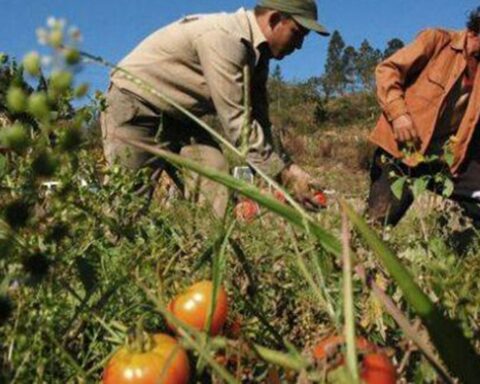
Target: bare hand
<point x="302" y="185"/>
<point x="403" y="130"/>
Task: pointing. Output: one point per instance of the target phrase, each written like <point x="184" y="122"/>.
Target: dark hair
<point x="473" y="22"/>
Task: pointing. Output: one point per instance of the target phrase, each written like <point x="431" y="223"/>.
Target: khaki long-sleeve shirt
<point x="199" y="62"/>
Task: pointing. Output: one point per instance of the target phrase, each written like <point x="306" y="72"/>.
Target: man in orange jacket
<point x="429" y="92"/>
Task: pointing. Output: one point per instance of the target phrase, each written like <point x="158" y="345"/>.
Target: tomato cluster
<point x="159" y="359"/>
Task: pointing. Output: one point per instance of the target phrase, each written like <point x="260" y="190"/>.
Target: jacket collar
<point x="458" y="40"/>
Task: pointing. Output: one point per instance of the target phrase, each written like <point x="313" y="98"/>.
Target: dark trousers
<point x="385" y="208"/>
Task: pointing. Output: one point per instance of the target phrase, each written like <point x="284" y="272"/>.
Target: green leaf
<point x="3" y="165"/>
<point x="420" y="186"/>
<point x="447" y="187"/>
<point x="448" y="158"/>
<point x="397" y="187"/>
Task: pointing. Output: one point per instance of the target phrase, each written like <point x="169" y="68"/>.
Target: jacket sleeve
<point x="394" y="73"/>
<point x="223" y="57"/>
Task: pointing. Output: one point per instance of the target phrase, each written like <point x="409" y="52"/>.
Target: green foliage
<point x="435" y="176"/>
<point x="334" y="78"/>
<point x="366" y="60"/>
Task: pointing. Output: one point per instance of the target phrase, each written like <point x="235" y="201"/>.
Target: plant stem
<point x="348" y="301"/>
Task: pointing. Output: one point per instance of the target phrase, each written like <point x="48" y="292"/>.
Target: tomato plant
<point x="375" y="366"/>
<point x="192" y="307"/>
<point x="159" y="360"/>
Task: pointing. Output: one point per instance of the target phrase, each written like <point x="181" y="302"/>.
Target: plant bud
<point x="15" y="137"/>
<point x="38" y="105"/>
<point x="3" y="58"/>
<point x="61" y="81"/>
<point x="16" y="100"/>
<point x="55" y="38"/>
<point x="81" y="90"/>
<point x="72" y="56"/>
<point x="31" y="63"/>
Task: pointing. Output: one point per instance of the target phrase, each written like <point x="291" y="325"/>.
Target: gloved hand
<point x="303" y="186"/>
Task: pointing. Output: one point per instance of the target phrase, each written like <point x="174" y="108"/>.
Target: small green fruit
<point x="81" y="90"/>
<point x="31" y="63"/>
<point x="16" y="100"/>
<point x="15" y="137"/>
<point x="3" y="58"/>
<point x="55" y="38"/>
<point x="72" y="56"/>
<point x="38" y="105"/>
<point x="61" y="81"/>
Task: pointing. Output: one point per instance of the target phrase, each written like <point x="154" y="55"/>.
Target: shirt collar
<point x="257" y="35"/>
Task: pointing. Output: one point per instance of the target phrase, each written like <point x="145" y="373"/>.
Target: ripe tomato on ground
<point x="246" y="210"/>
<point x="374" y="366"/>
<point x="320" y="198"/>
<point x="192" y="307"/>
<point x="159" y="361"/>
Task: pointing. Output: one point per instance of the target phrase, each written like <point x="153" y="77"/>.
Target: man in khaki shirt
<point x="429" y="92"/>
<point x="198" y="62"/>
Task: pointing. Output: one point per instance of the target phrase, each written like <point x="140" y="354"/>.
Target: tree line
<point x="348" y="69"/>
<point x="342" y="94"/>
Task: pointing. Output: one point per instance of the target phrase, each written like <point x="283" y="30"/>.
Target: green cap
<point x="304" y="12"/>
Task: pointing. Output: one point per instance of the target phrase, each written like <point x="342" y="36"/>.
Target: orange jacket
<point x="416" y="80"/>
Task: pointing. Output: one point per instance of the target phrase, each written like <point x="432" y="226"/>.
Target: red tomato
<point x="320" y="198"/>
<point x="165" y="362"/>
<point x="375" y="367"/>
<point x="192" y="307"/>
<point x="246" y="210"/>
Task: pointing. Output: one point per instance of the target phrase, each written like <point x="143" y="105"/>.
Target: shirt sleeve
<point x="223" y="58"/>
<point x="395" y="72"/>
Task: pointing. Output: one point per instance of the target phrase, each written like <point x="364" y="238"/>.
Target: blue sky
<point x="111" y="28"/>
